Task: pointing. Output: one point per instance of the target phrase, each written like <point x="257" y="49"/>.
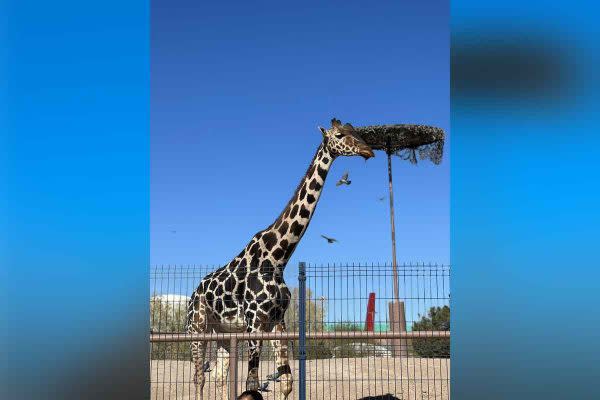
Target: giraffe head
<point x="342" y="140"/>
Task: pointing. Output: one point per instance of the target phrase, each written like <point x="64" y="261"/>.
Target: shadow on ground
<point x="383" y="397"/>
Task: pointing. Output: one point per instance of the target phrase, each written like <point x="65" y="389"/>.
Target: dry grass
<point x="333" y="379"/>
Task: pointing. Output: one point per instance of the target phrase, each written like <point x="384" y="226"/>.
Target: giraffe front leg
<point x="284" y="372"/>
<point x="197" y="324"/>
<point x="252" y="382"/>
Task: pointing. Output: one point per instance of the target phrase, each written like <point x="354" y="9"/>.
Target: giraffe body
<point x="249" y="293"/>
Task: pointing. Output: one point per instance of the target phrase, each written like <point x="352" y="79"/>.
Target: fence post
<point x="302" y="331"/>
<point x="233" y="364"/>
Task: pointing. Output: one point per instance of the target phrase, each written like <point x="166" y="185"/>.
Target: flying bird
<point x="381" y="198"/>
<point x="264" y="387"/>
<point x="206" y="367"/>
<point x="343" y="180"/>
<point x="329" y="240"/>
<point x="274" y="377"/>
<point x="173" y="231"/>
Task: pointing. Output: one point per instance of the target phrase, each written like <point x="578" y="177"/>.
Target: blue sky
<point x="235" y="104"/>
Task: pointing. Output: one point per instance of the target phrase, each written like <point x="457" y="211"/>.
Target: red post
<point x="370" y="321"/>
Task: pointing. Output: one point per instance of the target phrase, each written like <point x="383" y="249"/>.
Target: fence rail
<point x="350" y="337"/>
<point x="195" y="337"/>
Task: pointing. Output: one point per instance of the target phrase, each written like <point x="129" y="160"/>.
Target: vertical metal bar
<point x="302" y="331"/>
<point x="393" y="227"/>
<point x="233" y="355"/>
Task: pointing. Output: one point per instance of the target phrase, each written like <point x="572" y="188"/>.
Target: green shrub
<point x="168" y="317"/>
<point x="438" y="319"/>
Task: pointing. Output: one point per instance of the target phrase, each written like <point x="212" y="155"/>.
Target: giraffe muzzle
<point x="366" y="153"/>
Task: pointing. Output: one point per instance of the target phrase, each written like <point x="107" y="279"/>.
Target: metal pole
<point x="233" y="368"/>
<point x="322" y="313"/>
<point x="302" y="331"/>
<point x="393" y="227"/>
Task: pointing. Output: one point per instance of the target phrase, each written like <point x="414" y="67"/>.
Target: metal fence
<point x="347" y="336"/>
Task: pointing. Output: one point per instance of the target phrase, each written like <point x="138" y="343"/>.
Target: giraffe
<point x="249" y="294"/>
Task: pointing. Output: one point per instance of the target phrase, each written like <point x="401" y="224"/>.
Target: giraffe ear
<point x="323" y="131"/>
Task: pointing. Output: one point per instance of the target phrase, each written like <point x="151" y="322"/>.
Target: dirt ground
<point x="333" y="379"/>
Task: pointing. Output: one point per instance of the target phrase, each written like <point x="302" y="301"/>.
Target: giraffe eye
<point x="339" y="135"/>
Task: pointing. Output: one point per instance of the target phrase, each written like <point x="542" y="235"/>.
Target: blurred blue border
<point x="74" y="208"/>
<point x="74" y="180"/>
<point x="524" y="201"/>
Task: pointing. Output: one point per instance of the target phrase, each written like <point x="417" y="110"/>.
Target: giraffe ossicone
<point x="249" y="294"/>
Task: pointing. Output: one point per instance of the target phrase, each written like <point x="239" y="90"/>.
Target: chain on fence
<point x="350" y="312"/>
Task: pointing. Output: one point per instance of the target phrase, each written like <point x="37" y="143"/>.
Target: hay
<point x="405" y="140"/>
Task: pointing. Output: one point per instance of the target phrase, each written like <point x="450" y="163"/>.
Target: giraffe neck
<point x="294" y="219"/>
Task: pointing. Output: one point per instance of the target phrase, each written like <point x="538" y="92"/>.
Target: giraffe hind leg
<point x="222" y="368"/>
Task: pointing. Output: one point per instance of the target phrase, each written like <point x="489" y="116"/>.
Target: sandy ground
<point x="334" y="379"/>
